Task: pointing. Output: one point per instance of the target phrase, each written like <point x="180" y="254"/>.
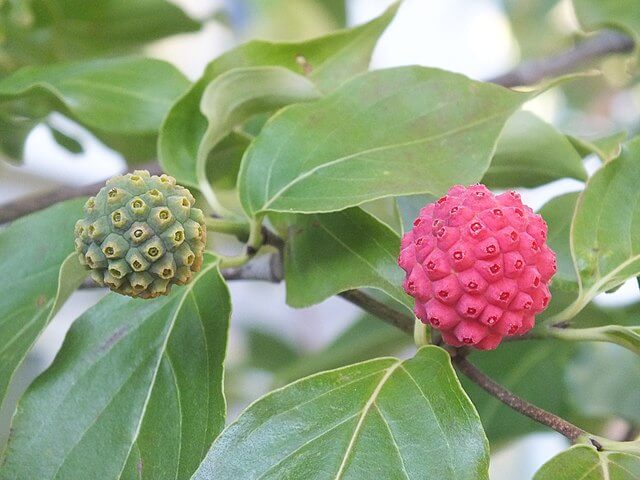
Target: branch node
<point x="596" y="444"/>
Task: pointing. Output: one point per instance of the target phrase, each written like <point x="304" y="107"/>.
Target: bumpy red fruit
<point x="478" y="266"/>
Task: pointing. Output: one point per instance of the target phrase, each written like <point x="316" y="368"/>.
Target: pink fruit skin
<point x="478" y="266"/>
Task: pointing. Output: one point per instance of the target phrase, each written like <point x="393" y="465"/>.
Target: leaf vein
<point x="365" y="412"/>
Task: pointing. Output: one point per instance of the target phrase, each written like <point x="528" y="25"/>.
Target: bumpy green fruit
<point x="141" y="235"/>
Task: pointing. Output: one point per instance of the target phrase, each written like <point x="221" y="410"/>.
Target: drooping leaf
<point x="17" y="119"/>
<point x="329" y="253"/>
<point x="50" y="31"/>
<point x="139" y="381"/>
<point x="389" y="132"/>
<point x="530" y="153"/>
<point x="586" y="463"/>
<point x="40" y="271"/>
<point x="607" y="148"/>
<point x="128" y="95"/>
<point x="384" y="418"/>
<point x="124" y="97"/>
<point x="530" y="370"/>
<point x="236" y="96"/>
<point x="605" y="231"/>
<point x="223" y="166"/>
<point x="66" y="141"/>
<point x="604" y="381"/>
<point x="328" y="61"/>
<point x="622" y="14"/>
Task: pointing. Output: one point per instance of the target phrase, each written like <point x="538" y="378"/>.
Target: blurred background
<point x="271" y="344"/>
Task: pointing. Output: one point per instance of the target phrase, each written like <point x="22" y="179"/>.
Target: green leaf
<point x="604" y="382"/>
<point x="367" y="338"/>
<point x="330" y="253"/>
<point x="558" y="213"/>
<point x="283" y="20"/>
<point x="337" y="8"/>
<point x="139" y="381"/>
<point x="607" y="148"/>
<point x="236" y="96"/>
<point x="40" y="271"/>
<point x="533" y="25"/>
<point x="529" y="369"/>
<point x="328" y="61"/>
<point x="268" y="351"/>
<point x="606" y="228"/>
<point x="586" y="463"/>
<point x="48" y="31"/>
<point x="126" y="97"/>
<point x="623" y="14"/>
<point x="223" y="166"/>
<point x="386" y="211"/>
<point x="65" y="141"/>
<point x="384" y="418"/>
<point x="530" y="153"/>
<point x="389" y="132"/>
<point x="17" y="119"/>
<point x="410" y="206"/>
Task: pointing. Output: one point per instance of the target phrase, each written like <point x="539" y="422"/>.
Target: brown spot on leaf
<point x="117" y="335"/>
<point x="301" y="60"/>
<point x="41" y="300"/>
<point x="294" y="231"/>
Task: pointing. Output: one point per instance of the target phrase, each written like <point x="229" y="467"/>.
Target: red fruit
<point x="478" y="266"/>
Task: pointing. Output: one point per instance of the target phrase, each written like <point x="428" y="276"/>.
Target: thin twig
<point x="518" y="404"/>
<point x="270" y="238"/>
<point x="265" y="268"/>
<point x="533" y="71"/>
<point x="24" y="206"/>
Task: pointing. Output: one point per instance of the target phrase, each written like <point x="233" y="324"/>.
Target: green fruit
<point x="141" y="235"/>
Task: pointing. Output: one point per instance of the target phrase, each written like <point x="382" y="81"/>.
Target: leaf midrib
<point x="163" y="348"/>
<point x="365" y="411"/>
